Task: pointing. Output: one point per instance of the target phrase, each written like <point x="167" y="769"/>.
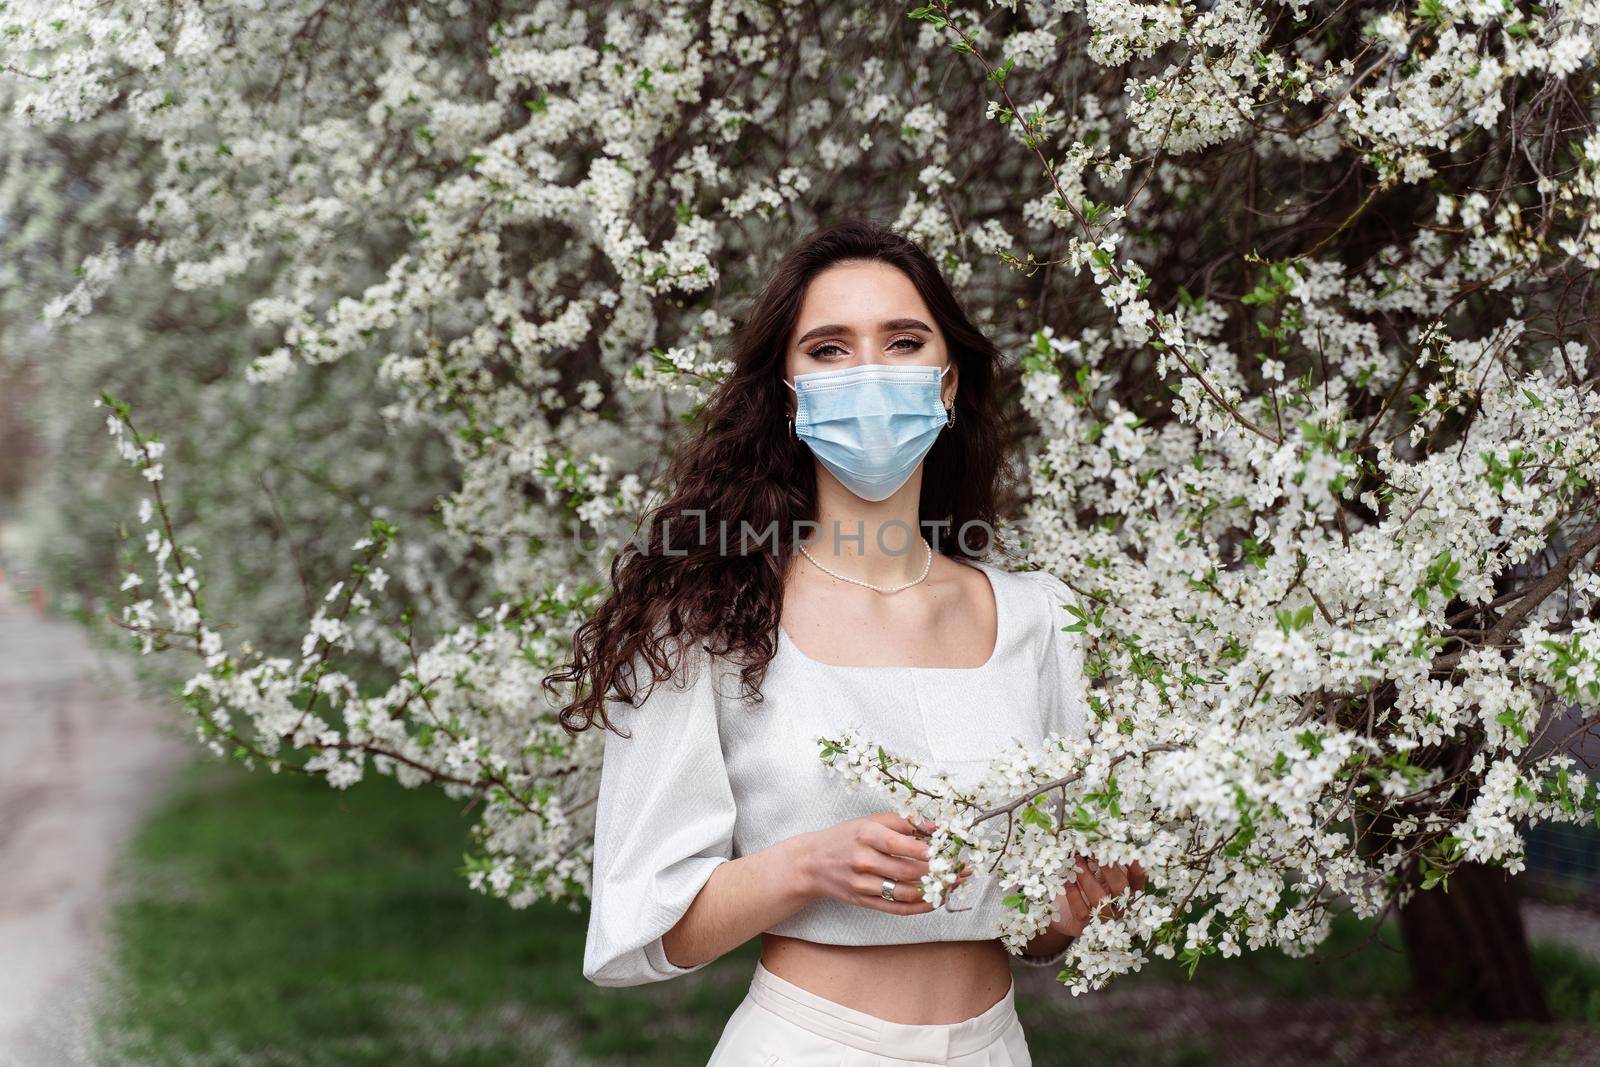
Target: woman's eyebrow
<point x="835" y="328"/>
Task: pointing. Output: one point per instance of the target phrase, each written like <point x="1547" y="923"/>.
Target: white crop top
<point x="706" y="777"/>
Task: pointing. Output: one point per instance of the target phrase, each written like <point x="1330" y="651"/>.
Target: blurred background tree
<point x="467" y="272"/>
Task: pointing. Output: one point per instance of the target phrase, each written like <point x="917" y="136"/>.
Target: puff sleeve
<point x="1063" y="685"/>
<point x="663" y="822"/>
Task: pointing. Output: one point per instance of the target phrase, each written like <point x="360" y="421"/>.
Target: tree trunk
<point x="1468" y="950"/>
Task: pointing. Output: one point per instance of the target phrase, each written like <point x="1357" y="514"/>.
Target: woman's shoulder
<point x="1038" y="598"/>
<point x="1049" y="582"/>
<point x="1037" y="582"/>
<point x="673" y="663"/>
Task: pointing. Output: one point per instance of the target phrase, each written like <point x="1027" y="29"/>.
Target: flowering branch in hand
<point x="1299" y="301"/>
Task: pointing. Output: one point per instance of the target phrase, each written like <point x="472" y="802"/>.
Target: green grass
<point x="1571" y="982"/>
<point x="270" y="920"/>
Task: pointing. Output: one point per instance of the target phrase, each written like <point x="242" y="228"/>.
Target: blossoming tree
<point x="1300" y="299"/>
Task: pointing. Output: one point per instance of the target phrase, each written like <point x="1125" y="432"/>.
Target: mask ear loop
<point x="950" y="412"/>
<point x="790" y="418"/>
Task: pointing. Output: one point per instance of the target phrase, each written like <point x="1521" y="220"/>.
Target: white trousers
<point x="778" y="1024"/>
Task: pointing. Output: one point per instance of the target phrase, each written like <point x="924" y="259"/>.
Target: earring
<point x="951" y="411"/>
<point x="790" y="420"/>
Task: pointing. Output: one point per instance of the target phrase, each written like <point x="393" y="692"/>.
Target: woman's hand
<point x="1096" y="884"/>
<point x="850" y="861"/>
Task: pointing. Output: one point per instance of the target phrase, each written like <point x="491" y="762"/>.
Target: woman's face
<point x="865" y="311"/>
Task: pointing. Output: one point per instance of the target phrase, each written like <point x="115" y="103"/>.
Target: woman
<point x="815" y="568"/>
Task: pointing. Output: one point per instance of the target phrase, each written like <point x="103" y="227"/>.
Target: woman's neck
<point x="873" y="541"/>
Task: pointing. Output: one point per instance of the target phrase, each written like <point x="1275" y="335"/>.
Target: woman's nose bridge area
<point x="942" y="369"/>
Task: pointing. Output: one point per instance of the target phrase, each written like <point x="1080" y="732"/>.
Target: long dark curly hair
<point x="741" y="464"/>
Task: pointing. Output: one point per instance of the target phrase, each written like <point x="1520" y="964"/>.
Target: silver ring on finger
<point x="887" y="892"/>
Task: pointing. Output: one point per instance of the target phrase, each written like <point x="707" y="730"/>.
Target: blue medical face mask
<point x="870" y="424"/>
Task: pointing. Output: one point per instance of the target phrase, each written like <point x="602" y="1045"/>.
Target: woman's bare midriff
<point x="928" y="982"/>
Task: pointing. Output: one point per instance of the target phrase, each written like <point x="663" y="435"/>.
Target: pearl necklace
<point x="880" y="588"/>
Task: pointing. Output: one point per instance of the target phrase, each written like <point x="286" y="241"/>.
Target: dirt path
<point x="80" y="761"/>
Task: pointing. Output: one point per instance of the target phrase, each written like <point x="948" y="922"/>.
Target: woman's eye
<point x="818" y="352"/>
